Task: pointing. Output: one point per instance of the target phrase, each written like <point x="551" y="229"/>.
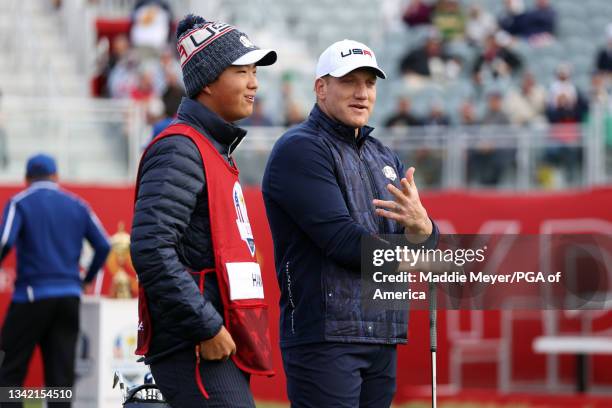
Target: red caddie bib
<point x="238" y="273"/>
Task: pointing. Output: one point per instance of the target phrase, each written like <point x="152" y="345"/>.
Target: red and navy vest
<point x="238" y="273"/>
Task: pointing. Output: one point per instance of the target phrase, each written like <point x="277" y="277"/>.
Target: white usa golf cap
<point x="345" y="56"/>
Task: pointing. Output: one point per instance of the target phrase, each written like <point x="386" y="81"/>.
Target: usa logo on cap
<point x="199" y="38"/>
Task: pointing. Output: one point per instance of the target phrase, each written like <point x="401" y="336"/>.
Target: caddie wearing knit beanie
<point x="203" y="325"/>
<point x="207" y="48"/>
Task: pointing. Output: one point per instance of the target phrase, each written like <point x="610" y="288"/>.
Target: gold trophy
<point x="122" y="284"/>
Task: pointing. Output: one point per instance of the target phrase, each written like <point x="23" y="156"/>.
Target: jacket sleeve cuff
<point x="434" y="238"/>
<point x="211" y="324"/>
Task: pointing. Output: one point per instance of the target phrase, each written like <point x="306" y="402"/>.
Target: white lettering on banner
<point x="245" y="280"/>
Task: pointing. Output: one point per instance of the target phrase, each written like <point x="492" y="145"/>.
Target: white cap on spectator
<point x="345" y="56"/>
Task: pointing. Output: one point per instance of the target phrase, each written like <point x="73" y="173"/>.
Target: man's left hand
<point x="406" y="209"/>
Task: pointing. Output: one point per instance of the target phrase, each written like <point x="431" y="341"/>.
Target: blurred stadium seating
<point x="50" y="58"/>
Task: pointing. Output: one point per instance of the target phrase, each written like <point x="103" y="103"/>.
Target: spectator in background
<point x="563" y="84"/>
<point x="600" y="116"/>
<point x="566" y="101"/>
<point x="144" y="90"/>
<point x="542" y="22"/>
<point x="467" y="114"/>
<point x="480" y="25"/>
<point x="565" y="109"/>
<point x="258" y="117"/>
<point x="488" y="163"/>
<point x="516" y="21"/>
<point x="418" y="12"/>
<point x="495" y="114"/>
<point x="173" y="94"/>
<point x="604" y="56"/>
<point x="566" y="113"/>
<point x="403" y="115"/>
<point x="157" y="117"/>
<point x="170" y="66"/>
<point x="119" y="49"/>
<point x="429" y="160"/>
<point x="542" y="19"/>
<point x="526" y="105"/>
<point x="123" y="78"/>
<point x="151" y="25"/>
<point x="449" y="20"/>
<point x="537" y="25"/>
<point x="292" y="114"/>
<point x="497" y="58"/>
<point x="429" y="60"/>
<point x="47" y="225"/>
<point x="436" y="116"/>
<point x="600" y="91"/>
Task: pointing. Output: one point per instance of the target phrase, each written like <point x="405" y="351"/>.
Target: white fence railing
<point x="93" y="140"/>
<point x="101" y="140"/>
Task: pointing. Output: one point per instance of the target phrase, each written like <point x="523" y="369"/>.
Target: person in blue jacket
<point x="47" y="226"/>
<point x="327" y="184"/>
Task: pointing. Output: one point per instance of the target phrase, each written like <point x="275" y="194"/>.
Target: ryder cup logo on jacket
<point x="389" y="173"/>
<point x="242" y="219"/>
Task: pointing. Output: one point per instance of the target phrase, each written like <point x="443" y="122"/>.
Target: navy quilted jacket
<point x="318" y="188"/>
<point x="171" y="234"/>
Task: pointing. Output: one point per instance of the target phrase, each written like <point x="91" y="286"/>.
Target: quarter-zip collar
<point x="338" y="129"/>
<point x="225" y="136"/>
<point x="52" y="185"/>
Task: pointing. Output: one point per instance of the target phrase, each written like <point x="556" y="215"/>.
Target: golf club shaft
<point x="433" y="340"/>
<point x="433" y="380"/>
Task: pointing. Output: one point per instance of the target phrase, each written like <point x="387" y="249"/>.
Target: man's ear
<point x="320" y="88"/>
<point x="206" y="90"/>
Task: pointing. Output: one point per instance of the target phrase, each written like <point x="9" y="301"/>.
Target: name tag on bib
<point x="245" y="280"/>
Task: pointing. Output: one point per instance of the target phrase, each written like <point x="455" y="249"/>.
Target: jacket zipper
<point x="30" y="292"/>
<point x="373" y="189"/>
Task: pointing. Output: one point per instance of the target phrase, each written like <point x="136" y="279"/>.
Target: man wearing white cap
<point x="328" y="183"/>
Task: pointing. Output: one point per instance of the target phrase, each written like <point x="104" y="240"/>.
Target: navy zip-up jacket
<point x="47" y="226"/>
<point x="318" y="188"/>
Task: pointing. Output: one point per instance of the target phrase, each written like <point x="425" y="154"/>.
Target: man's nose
<point x="361" y="92"/>
<point x="253" y="83"/>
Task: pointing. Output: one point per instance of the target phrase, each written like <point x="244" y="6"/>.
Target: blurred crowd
<point x="502" y="89"/>
<point x="465" y="45"/>
<point x="142" y="64"/>
<point x="497" y="67"/>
